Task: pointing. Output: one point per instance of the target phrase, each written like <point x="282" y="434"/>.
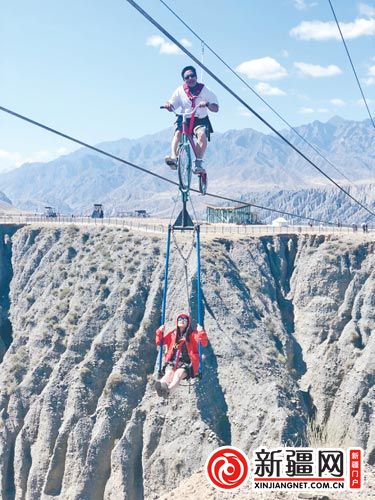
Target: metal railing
<point x="161" y="225"/>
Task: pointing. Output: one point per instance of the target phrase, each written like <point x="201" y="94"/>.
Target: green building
<point x="241" y="214"/>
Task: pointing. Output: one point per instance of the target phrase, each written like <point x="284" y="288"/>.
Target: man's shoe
<point x="158" y="387"/>
<point x="171" y="162"/>
<point x="164" y="390"/>
<point x="198" y="169"/>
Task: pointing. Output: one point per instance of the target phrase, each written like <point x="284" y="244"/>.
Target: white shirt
<point x="179" y="99"/>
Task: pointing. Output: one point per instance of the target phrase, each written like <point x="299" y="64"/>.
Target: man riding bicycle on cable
<point x="186" y="97"/>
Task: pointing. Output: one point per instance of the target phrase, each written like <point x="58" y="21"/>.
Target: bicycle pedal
<point x="198" y="171"/>
<point x="171" y="162"/>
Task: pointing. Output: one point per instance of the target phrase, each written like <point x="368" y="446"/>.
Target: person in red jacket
<point x="181" y="360"/>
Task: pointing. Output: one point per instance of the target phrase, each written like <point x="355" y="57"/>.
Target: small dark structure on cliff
<point x="98" y="211"/>
<point x="50" y="212"/>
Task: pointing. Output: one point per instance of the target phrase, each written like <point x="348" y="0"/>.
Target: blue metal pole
<point x="199" y="293"/>
<point x="164" y="303"/>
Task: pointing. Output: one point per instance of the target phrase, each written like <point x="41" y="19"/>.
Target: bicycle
<point x="184" y="163"/>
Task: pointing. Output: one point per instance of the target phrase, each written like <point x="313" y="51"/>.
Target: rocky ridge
<point x="290" y="322"/>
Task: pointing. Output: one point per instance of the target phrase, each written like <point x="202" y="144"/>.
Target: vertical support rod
<point x="199" y="292"/>
<point x="165" y="295"/>
<point x="183" y="213"/>
<point x="185" y="197"/>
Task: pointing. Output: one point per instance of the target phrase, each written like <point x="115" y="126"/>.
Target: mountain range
<point x="241" y="164"/>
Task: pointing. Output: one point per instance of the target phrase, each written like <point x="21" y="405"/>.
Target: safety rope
<point x="174" y="208"/>
<point x="244" y="82"/>
<point x="241" y="101"/>
<point x="212" y="195"/>
<point x="351" y="63"/>
<point x="202" y="59"/>
<point x="192" y="206"/>
<point x="185" y="261"/>
<point x="164" y="303"/>
<point x="199" y="297"/>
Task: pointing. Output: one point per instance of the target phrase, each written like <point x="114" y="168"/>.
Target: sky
<point x="99" y="70"/>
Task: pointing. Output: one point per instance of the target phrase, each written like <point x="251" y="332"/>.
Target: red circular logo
<point x="227" y="468"/>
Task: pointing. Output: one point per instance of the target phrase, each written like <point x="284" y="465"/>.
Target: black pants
<point x="186" y="366"/>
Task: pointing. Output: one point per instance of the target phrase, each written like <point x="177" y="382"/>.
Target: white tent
<point x="280" y="222"/>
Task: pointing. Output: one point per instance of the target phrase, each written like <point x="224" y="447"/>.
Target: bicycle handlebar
<point x="183" y="114"/>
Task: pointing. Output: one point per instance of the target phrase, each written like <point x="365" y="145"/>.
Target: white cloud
<point x="155" y="41"/>
<point x="185" y="42"/>
<point x="303" y="97"/>
<point x="285" y="53"/>
<point x="10" y="159"/>
<point x="361" y="103"/>
<point x="10" y="156"/>
<point x="306" y="110"/>
<point x="320" y="30"/>
<point x="244" y="112"/>
<point x="317" y="71"/>
<point x="371" y="77"/>
<point x="309" y="111"/>
<point x="302" y="5"/>
<point x="366" y="10"/>
<point x="166" y="47"/>
<point x="38" y="156"/>
<point x="267" y="89"/>
<point x="339" y="103"/>
<point x="265" y="68"/>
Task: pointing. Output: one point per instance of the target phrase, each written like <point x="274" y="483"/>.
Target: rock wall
<point x="6" y="273"/>
<point x="290" y="359"/>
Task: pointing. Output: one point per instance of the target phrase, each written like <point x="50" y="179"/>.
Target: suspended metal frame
<point x="182" y="223"/>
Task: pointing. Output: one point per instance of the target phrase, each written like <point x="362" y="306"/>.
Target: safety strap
<point x="192" y="119"/>
<point x="192" y="98"/>
<point x="178" y="353"/>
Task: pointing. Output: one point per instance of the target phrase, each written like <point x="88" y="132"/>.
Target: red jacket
<point x="195" y="337"/>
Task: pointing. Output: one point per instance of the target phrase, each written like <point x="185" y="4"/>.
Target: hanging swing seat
<point x="183" y="222"/>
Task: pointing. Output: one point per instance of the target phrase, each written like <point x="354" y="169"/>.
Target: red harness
<point x="197" y="90"/>
<point x="178" y="354"/>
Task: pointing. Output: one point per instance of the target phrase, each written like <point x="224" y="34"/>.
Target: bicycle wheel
<point x="184" y="167"/>
<point x="203" y="183"/>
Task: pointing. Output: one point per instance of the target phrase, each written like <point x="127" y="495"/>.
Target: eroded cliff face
<point x="6" y="273"/>
<point x="289" y="320"/>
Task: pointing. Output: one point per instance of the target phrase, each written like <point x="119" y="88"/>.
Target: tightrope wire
<point x="351" y="62"/>
<point x="255" y="92"/>
<point x="236" y="96"/>
<point x="146" y="171"/>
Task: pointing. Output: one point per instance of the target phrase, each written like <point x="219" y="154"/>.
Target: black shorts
<point x="198" y="122"/>
<point x="186" y="366"/>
